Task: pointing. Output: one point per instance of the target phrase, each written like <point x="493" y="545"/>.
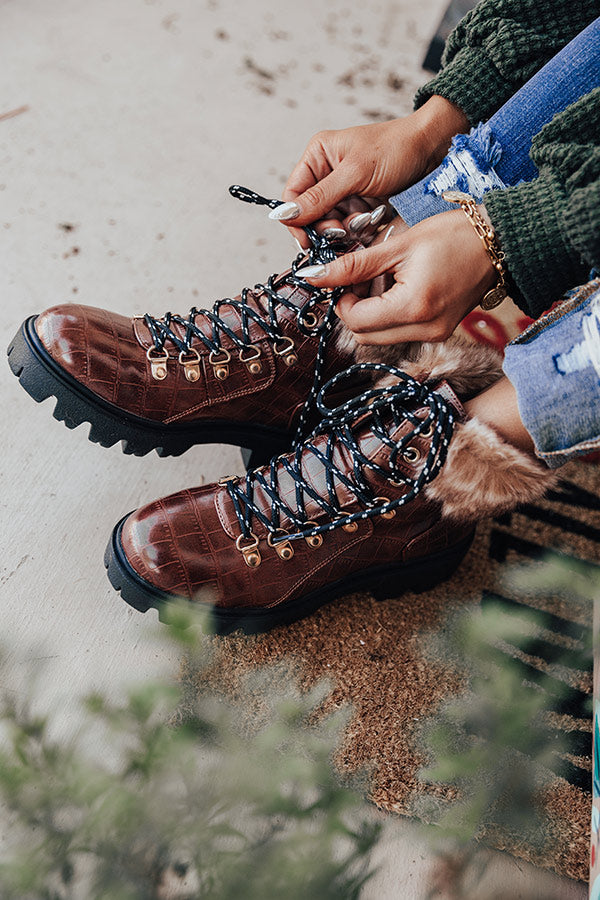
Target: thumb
<point x="352" y="268"/>
<point x="317" y="201"/>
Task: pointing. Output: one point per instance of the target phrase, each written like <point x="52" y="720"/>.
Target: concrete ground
<point x="113" y="192"/>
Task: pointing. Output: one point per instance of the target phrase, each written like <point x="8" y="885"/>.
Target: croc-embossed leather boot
<point x="244" y="372"/>
<point x="383" y="495"/>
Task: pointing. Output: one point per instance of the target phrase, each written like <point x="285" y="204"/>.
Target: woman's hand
<point x="369" y="161"/>
<point x="438" y="271"/>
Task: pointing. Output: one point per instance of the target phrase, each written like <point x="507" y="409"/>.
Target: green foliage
<point x="198" y="808"/>
<point x="212" y="806"/>
<point x="492" y="741"/>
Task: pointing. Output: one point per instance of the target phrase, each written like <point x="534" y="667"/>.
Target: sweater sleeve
<point x="549" y="228"/>
<point x="498" y="46"/>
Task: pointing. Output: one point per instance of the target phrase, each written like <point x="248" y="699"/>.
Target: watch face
<point x="494" y="297"/>
<point x="455" y="196"/>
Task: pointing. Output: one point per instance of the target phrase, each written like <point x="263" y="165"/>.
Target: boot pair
<point x="377" y="477"/>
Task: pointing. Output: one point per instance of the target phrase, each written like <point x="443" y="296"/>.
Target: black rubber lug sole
<point x="42" y="377"/>
<point x="383" y="582"/>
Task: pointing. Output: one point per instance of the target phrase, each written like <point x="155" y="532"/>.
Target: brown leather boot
<point x="244" y="372"/>
<point x="382" y="496"/>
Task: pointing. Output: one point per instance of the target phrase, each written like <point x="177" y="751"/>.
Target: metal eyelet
<point x="283" y="547"/>
<point x="381" y="501"/>
<point x="287" y="353"/>
<point x="250" y="552"/>
<point x="428" y="431"/>
<point x="158" y="364"/>
<point x="411" y="454"/>
<point x="191" y="366"/>
<point x="350" y="527"/>
<point x="313" y="540"/>
<point x="310" y="320"/>
<point x="220" y="363"/>
<point x="251" y="362"/>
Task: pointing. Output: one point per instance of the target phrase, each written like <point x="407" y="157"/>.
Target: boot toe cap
<point x="97" y="347"/>
<point x="162" y="544"/>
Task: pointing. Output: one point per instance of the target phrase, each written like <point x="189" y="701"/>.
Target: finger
<point x="354" y="268"/>
<point x="356" y="204"/>
<point x="368" y="220"/>
<point x="308" y="171"/>
<point x="379" y="326"/>
<point x="378" y="313"/>
<point x="319" y="199"/>
<point x="332" y="228"/>
<point x="430" y="332"/>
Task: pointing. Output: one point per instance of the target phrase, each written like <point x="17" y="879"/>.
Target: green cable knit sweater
<point x="549" y="228"/>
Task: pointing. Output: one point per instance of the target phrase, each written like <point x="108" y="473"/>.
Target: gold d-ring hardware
<point x="250" y="552"/>
<point x="313" y="540"/>
<point x="283" y="547"/>
<point x="158" y="364"/>
<point x="251" y="362"/>
<point x="381" y="501"/>
<point x="220" y="363"/>
<point x="191" y="366"/>
<point x="229" y="478"/>
<point x="287" y="352"/>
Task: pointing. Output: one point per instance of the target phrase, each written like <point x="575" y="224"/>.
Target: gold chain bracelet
<point x="496" y="295"/>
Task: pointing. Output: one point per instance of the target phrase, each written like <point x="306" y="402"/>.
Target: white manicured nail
<point x="388" y="233"/>
<point x="299" y="245"/>
<point x="285" y="212"/>
<point x="312" y="271"/>
<point x="333" y="233"/>
<point x="378" y="214"/>
<point x="359" y="222"/>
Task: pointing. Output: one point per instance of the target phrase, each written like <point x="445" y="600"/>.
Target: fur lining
<point x="483" y="475"/>
<point x="469" y="367"/>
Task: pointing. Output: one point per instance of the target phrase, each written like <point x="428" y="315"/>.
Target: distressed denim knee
<point x="554" y="366"/>
<point x="468" y="167"/>
<point x="496" y="154"/>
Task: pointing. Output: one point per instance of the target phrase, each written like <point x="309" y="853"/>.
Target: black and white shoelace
<point x="214" y="327"/>
<point x="387" y="407"/>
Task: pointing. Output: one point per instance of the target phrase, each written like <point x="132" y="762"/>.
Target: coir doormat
<point x="378" y="658"/>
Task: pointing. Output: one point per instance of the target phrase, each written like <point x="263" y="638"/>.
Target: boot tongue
<point x="314" y="472"/>
<point x="230" y="317"/>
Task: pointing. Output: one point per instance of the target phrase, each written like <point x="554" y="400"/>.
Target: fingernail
<point x="333" y="233"/>
<point x="312" y="271"/>
<point x="359" y="222"/>
<point x="285" y="212"/>
<point x="378" y="214"/>
<point x="388" y="233"/>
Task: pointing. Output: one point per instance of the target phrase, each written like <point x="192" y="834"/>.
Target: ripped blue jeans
<point x="555" y="364"/>
<point x="495" y="154"/>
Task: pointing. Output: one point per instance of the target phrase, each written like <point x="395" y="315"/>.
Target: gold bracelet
<point x="496" y="295"/>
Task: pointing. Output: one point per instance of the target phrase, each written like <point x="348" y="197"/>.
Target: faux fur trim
<point x="483" y="475"/>
<point x="391" y="354"/>
<point x="469" y="367"/>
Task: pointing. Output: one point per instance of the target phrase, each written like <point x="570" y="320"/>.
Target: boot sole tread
<point x="42" y="377"/>
<point x="383" y="582"/>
